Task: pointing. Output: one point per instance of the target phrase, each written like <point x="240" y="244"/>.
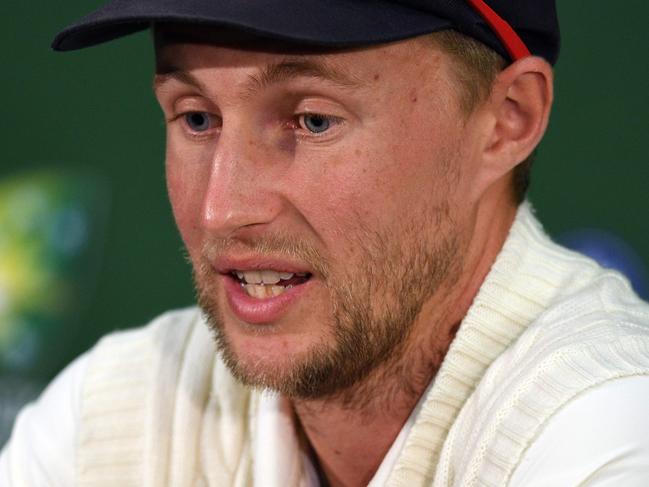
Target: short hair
<point x="476" y="69"/>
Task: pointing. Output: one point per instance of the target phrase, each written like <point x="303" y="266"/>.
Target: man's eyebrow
<point x="271" y="74"/>
<point x="167" y="73"/>
<point x="301" y="68"/>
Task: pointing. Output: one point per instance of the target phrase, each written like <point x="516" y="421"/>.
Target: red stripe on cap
<point x="507" y="35"/>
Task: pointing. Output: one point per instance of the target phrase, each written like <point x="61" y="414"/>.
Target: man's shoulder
<point x="177" y="321"/>
<point x="596" y="331"/>
<point x="590" y="325"/>
<point x="175" y="354"/>
<point x="144" y="393"/>
<point x="161" y="387"/>
<point x="600" y="309"/>
<point x="592" y="334"/>
<point x="157" y="351"/>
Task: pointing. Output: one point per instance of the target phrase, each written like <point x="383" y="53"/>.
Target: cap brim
<point x="336" y="23"/>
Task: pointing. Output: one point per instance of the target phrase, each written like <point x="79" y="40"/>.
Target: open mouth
<point x="266" y="283"/>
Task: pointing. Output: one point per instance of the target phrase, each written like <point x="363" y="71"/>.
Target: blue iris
<point x="198" y="121"/>
<point x="316" y="123"/>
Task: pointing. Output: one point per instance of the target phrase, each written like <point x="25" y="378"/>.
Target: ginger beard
<point x="371" y="317"/>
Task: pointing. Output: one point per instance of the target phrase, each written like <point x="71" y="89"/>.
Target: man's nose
<point x="240" y="190"/>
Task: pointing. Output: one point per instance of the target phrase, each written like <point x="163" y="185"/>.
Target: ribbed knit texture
<point x="546" y="325"/>
<point x="580" y="325"/>
<point x="159" y="410"/>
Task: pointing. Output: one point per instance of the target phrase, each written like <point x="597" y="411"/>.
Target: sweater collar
<point x="512" y="296"/>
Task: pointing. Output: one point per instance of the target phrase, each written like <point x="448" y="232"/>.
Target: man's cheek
<point x="186" y="200"/>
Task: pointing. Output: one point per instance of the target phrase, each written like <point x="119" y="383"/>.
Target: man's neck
<point x="352" y="432"/>
<point x="351" y="435"/>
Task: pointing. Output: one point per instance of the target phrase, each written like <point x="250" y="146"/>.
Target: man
<point x="349" y="183"/>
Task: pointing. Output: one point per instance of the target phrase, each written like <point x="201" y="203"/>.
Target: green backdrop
<point x="92" y="113"/>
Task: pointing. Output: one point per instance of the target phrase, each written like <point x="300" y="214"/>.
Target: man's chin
<point x="291" y="374"/>
<point x="262" y="372"/>
<point x="269" y="359"/>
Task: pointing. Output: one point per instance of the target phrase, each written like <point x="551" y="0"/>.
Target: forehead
<point x="183" y="48"/>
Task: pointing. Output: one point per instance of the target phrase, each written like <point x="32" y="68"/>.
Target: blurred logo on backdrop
<point x="51" y="229"/>
<point x="610" y="251"/>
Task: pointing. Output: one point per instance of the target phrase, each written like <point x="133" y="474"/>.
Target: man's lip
<point x="228" y="264"/>
<point x="262" y="311"/>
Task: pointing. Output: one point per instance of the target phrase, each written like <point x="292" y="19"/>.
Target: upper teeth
<point x="264" y="276"/>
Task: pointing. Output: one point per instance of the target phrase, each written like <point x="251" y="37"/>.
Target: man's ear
<point x="519" y="109"/>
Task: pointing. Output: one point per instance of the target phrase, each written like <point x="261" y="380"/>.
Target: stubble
<point x="374" y="305"/>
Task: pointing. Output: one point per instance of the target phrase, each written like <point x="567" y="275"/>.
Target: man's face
<point x="337" y="179"/>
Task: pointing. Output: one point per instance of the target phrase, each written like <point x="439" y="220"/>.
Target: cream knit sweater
<point x="159" y="408"/>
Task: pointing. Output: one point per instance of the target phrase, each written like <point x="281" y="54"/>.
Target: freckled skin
<point x="383" y="163"/>
<point x="403" y="154"/>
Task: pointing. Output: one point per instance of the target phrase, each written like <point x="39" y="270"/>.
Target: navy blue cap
<point x="331" y="23"/>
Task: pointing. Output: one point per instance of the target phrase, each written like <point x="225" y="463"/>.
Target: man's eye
<point x="315" y="123"/>
<point x="198" y="121"/>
